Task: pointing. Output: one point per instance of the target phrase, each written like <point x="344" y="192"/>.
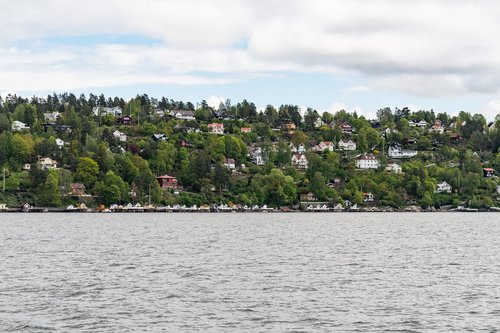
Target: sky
<point x="358" y="55"/>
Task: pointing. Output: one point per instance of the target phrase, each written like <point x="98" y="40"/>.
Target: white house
<point x="324" y="145"/>
<point x="216" y="128"/>
<point x="396" y="151"/>
<point x="347" y="144"/>
<point x="443" y="187"/>
<point x="230" y="164"/>
<point x="367" y="161"/>
<point x="394" y="168"/>
<point x="368" y="197"/>
<point x="318" y="122"/>
<point x="19" y="126"/>
<point x="115" y="111"/>
<point x="120" y="136"/>
<point x="299" y="161"/>
<point x="437" y="127"/>
<point x="60" y="143"/>
<point x="184" y="114"/>
<point x="422" y="123"/>
<point x="51" y="117"/>
<point x="301" y="149"/>
<point x="47" y="163"/>
<point x="256" y="156"/>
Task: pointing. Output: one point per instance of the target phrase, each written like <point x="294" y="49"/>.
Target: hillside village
<point x="110" y="154"/>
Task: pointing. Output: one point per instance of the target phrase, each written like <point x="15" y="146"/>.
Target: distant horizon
<point x="327" y="55"/>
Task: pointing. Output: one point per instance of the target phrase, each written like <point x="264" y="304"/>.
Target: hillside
<point x="61" y="150"/>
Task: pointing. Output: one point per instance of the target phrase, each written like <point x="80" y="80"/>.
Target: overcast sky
<point x="326" y="54"/>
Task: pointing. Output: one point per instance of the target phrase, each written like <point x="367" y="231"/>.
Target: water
<point x="250" y="272"/>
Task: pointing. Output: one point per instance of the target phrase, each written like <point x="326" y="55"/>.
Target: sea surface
<point x="250" y="272"/>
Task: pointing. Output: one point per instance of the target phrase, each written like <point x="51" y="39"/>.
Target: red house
<point x="167" y="181"/>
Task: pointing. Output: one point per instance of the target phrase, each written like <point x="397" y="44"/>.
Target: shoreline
<point x="60" y="211"/>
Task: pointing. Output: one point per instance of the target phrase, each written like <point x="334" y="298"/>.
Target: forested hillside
<point x="63" y="149"/>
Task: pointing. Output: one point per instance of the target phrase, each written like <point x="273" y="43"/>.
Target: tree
<point x="317" y="185"/>
<point x="49" y="193"/>
<point x="86" y="171"/>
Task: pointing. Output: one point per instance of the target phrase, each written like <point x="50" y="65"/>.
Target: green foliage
<point x="112" y="170"/>
<point x="86" y="171"/>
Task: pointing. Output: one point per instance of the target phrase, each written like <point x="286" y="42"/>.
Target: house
<point x="290" y="127"/>
<point x="394" y="168"/>
<point x="120" y="136"/>
<point x="167" y="181"/>
<point x="368" y="197"/>
<point x="3" y="207"/>
<point x="396" y="151"/>
<point x="216" y="128"/>
<point x="60" y="143"/>
<point x="185" y="144"/>
<point x="422" y="124"/>
<point x="299" y="161"/>
<point x="230" y="164"/>
<point x="77" y="190"/>
<point x="300" y="149"/>
<point x="125" y="120"/>
<point x="488" y="172"/>
<point x="115" y="111"/>
<point x="47" y="163"/>
<point x="324" y="145"/>
<point x="411" y="123"/>
<point x="318" y="123"/>
<point x="309" y="196"/>
<point x="256" y="156"/>
<point x="411" y="141"/>
<point x="183" y="114"/>
<point x="367" y="161"/>
<point x="336" y="183"/>
<point x="27" y="167"/>
<point x="346" y="128"/>
<point x="51" y="117"/>
<point x="159" y="137"/>
<point x="347" y="144"/>
<point x="160" y="113"/>
<point x="437" y="127"/>
<point x="19" y="126"/>
<point x="443" y="187"/>
<point x="338" y="207"/>
<point x="246" y="130"/>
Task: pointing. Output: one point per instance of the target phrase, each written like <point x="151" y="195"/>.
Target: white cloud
<point x="491" y="109"/>
<point x="214" y="101"/>
<point x="424" y="48"/>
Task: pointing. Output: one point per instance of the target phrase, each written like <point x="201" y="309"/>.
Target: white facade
<point x="184" y="115"/>
<point x="347" y="145"/>
<point x="324" y="145"/>
<point x="398" y="152"/>
<point x="120" y="136"/>
<point x="443" y="187"/>
<point x="19" y="126"/>
<point x="115" y="111"/>
<point x="216" y="128"/>
<point x="47" y="163"/>
<point x="367" y="161"/>
<point x="59" y="143"/>
<point x="394" y="168"/>
<point x="299" y="161"/>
